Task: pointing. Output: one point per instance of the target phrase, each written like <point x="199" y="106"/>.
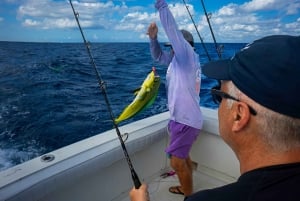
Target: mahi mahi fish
<point x="145" y="96"/>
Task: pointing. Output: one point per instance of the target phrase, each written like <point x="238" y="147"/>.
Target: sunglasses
<point x="219" y="95"/>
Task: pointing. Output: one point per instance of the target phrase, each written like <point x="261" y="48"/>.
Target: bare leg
<point x="190" y="163"/>
<point x="183" y="169"/>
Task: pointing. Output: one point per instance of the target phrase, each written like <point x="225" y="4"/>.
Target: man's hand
<point x="152" y="30"/>
<point x="140" y="194"/>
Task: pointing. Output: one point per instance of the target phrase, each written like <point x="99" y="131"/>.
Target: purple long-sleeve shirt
<point x="183" y="74"/>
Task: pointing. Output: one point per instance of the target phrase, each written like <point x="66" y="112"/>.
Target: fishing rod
<point x="218" y="48"/>
<point x="202" y="42"/>
<point x="101" y="83"/>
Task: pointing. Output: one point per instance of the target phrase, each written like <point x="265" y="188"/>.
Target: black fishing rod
<point x="218" y="48"/>
<point x="101" y="83"/>
<point x="202" y="42"/>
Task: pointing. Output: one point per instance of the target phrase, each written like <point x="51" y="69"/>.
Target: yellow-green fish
<point x="145" y="96"/>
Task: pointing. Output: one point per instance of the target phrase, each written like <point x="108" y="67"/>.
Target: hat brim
<point x="217" y="69"/>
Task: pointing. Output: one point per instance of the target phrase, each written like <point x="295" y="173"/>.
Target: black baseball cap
<point x="267" y="71"/>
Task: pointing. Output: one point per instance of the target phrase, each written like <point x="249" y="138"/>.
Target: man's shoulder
<point x="228" y="192"/>
<point x="269" y="183"/>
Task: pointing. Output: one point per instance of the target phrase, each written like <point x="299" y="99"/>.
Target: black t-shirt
<point x="280" y="182"/>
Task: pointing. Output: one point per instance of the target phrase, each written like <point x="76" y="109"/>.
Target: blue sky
<point x="127" y="20"/>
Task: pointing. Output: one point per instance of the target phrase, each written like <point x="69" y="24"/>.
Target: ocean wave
<point x="50" y="96"/>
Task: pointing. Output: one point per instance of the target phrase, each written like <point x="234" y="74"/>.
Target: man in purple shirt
<point x="183" y="88"/>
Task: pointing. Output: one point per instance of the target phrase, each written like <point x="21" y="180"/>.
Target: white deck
<point x="205" y="179"/>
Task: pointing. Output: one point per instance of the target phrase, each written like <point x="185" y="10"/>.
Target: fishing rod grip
<point x="136" y="180"/>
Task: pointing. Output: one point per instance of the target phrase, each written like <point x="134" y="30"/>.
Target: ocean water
<point x="50" y="97"/>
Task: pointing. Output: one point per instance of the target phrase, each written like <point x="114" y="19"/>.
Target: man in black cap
<point x="259" y="118"/>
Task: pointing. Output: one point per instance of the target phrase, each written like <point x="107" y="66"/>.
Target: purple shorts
<point x="182" y="138"/>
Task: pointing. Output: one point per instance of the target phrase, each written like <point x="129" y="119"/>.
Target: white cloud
<point x="256" y="18"/>
<point x="294" y="26"/>
<point x="50" y="23"/>
<point x="232" y="22"/>
<point x="179" y="10"/>
<point x="137" y="22"/>
<point x="135" y="16"/>
<point x="140" y="27"/>
<point x="228" y="10"/>
<point x="293" y="8"/>
<point x="289" y="7"/>
<point x="31" y="23"/>
<point x="53" y="14"/>
<point x="255" y="5"/>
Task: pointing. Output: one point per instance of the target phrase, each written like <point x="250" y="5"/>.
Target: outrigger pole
<point x="202" y="42"/>
<point x="101" y="83"/>
<point x="218" y="48"/>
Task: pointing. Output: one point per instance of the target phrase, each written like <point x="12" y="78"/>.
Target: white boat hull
<point x="96" y="169"/>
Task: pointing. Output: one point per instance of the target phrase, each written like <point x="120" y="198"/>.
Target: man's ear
<point x="241" y="116"/>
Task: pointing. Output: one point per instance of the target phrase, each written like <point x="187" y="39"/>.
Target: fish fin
<point x="136" y="91"/>
<point x="152" y="100"/>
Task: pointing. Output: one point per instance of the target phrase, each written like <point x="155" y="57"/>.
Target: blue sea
<point x="50" y="97"/>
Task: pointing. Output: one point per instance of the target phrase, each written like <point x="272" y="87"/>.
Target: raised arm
<point x="155" y="49"/>
<point x="180" y="46"/>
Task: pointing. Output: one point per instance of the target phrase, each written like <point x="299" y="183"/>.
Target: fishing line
<point x="218" y="48"/>
<point x="101" y="83"/>
<point x="202" y="42"/>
